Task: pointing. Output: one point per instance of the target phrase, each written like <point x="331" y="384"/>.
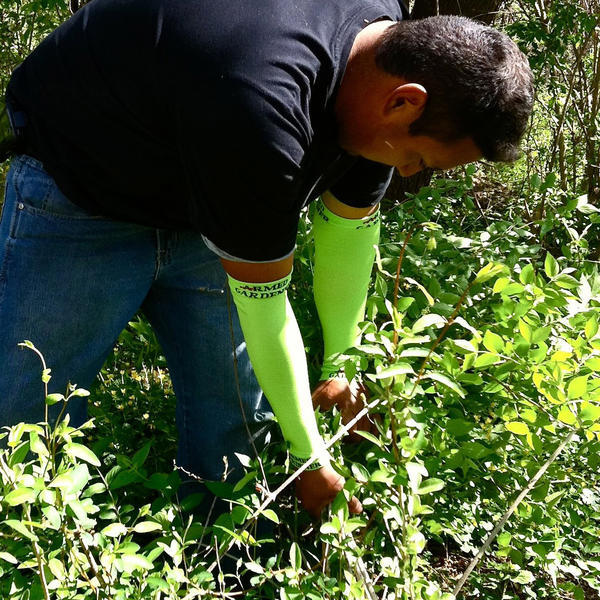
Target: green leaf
<point x="20" y="496"/>
<point x="583" y="206"/>
<point x="430" y="485"/>
<point x="551" y="266"/>
<point x="158" y="583"/>
<point x="295" y="556"/>
<point x="400" y="368"/>
<point x="527" y="274"/>
<point x="566" y="281"/>
<point x="490" y="270"/>
<point x="591" y="327"/>
<point x="139" y="458"/>
<point x="271" y="515"/>
<point x="430" y="320"/>
<point x="493" y="342"/>
<point x="53" y="516"/>
<point x="79" y="392"/>
<point x="8" y="557"/>
<point x="464" y="346"/>
<point x="370" y="437"/>
<point x="132" y="562"/>
<point x="577" y="387"/>
<point x="254" y="567"/>
<point x="589" y="412"/>
<point x="566" y="416"/>
<point x="73" y="480"/>
<point x="485" y="359"/>
<point x="445" y="380"/>
<point x="83" y="452"/>
<point x="54" y="399"/>
<point x="147" y="526"/>
<point x="416" y="472"/>
<point x="526" y="331"/>
<point x="114" y="530"/>
<point x="459" y="427"/>
<point x="524" y="577"/>
<point x="500" y="284"/>
<point x="20" y="528"/>
<point x="540" y="334"/>
<point x="36" y="445"/>
<point x="329" y="528"/>
<point x="517" y="427"/>
<point x="57" y="569"/>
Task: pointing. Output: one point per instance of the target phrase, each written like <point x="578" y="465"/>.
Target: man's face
<point x="412" y="153"/>
<point x="420" y="151"/>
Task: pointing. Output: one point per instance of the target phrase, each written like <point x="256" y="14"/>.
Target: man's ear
<point x="406" y="102"/>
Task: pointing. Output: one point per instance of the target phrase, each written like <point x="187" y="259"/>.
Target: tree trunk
<point x="480" y="10"/>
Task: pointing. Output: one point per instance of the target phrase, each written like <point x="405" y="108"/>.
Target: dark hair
<point x="479" y="83"/>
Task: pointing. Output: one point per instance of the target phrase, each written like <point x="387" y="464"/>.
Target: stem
<point x="398" y="269"/>
<point x="90" y="558"/>
<point x="492" y="536"/>
<point x="38" y="557"/>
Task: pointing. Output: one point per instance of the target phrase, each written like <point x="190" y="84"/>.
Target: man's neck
<point x="362" y="81"/>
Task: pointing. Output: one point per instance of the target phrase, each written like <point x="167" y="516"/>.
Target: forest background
<point x="481" y="353"/>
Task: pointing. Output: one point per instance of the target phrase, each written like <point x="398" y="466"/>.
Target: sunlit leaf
<point x="20" y="496"/>
<point x="445" y="380"/>
<point x="82" y="452"/>
<point x="114" y="530"/>
<point x="430" y="320"/>
<point x="577" y="387"/>
<point x="493" y="342"/>
<point x="20" y="528"/>
<point x="551" y="266"/>
<point x="567" y="416"/>
<point x="517" y="427"/>
<point x="147" y="526"/>
<point x="488" y="272"/>
<point x="589" y="412"/>
<point x="430" y="485"/>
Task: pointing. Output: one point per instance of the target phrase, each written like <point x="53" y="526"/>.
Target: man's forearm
<point x="344" y="253"/>
<point x="277" y="354"/>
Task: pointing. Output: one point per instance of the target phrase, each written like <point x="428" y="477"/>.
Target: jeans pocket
<point x="37" y="192"/>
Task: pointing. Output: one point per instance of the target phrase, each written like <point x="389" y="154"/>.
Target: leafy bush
<point x="478" y="372"/>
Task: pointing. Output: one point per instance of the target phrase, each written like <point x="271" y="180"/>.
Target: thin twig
<point x="90" y="559"/>
<point x="492" y="536"/>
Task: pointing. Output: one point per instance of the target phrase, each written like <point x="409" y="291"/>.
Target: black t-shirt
<point x="211" y="115"/>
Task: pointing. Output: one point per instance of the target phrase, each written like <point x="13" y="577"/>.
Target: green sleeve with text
<point x="276" y="351"/>
<point x="344" y="254"/>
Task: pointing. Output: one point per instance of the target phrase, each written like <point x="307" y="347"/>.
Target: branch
<point x="492" y="536"/>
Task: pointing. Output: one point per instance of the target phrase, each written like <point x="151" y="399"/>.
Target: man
<point x="163" y="139"/>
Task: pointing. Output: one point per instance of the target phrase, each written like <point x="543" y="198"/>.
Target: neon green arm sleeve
<point x="344" y="253"/>
<point x="276" y="350"/>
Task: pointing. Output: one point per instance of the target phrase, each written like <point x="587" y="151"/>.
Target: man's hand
<point x="349" y="401"/>
<point x="317" y="489"/>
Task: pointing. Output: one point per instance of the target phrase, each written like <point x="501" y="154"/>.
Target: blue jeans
<point x="70" y="281"/>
